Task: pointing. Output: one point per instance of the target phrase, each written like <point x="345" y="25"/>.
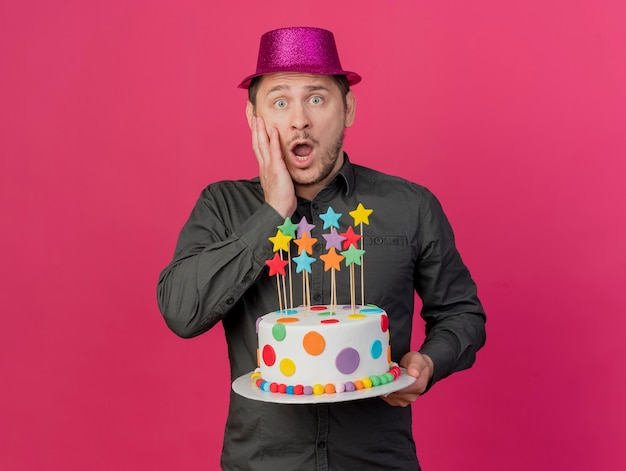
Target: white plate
<point x="244" y="387"/>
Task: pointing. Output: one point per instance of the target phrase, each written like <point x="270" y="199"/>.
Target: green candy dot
<point x="279" y="332"/>
<point x="375" y="380"/>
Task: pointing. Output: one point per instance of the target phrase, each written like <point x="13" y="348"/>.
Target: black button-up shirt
<point x="219" y="273"/>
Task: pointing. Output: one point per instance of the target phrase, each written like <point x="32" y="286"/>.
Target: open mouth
<point x="301" y="151"/>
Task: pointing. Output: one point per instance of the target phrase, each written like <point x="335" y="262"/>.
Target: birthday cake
<point x="327" y="349"/>
<point x="324" y="350"/>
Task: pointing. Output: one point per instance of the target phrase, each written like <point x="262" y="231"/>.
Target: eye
<point x="317" y="100"/>
<point x="280" y="103"/>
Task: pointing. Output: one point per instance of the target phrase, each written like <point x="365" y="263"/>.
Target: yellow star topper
<point x="280" y="241"/>
<point x="361" y="215"/>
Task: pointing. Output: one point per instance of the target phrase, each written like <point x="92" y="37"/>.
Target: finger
<point x="274" y="145"/>
<point x="262" y="141"/>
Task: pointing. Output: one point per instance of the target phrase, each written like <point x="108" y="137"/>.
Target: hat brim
<point x="353" y="77"/>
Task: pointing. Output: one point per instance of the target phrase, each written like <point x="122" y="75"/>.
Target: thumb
<point x="411" y="362"/>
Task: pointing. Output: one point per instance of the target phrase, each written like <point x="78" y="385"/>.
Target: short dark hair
<point x="340" y="80"/>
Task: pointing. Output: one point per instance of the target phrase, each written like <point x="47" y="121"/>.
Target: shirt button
<point x="317" y="296"/>
<point x="230" y="300"/>
<point x="378" y="240"/>
<point x="321" y="445"/>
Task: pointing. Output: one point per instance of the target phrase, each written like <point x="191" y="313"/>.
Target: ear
<point x="249" y="113"/>
<point x="350" y="109"/>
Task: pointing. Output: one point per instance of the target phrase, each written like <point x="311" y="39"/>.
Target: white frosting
<point x="299" y="346"/>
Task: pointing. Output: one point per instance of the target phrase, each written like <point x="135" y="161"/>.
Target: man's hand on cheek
<point x="275" y="179"/>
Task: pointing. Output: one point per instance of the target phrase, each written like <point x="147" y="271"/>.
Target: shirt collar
<point x="343" y="182"/>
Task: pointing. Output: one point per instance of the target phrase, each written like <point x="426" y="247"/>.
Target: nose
<point x="300" y="118"/>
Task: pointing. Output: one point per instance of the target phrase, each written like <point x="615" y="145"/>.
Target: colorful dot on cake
<point x="279" y="332"/>
<point x="367" y="383"/>
<point x="319" y="308"/>
<point x="375" y="380"/>
<point x="329" y="321"/>
<point x="258" y="321"/>
<point x="340" y="387"/>
<point x="289" y="390"/>
<point x="287" y="320"/>
<point x="298" y="389"/>
<point x="349" y="386"/>
<point x="347" y="360"/>
<point x="329" y="388"/>
<point x="318" y="389"/>
<point x="269" y="355"/>
<point x="384" y="323"/>
<point x="376" y="350"/>
<point x="313" y="343"/>
<point x="371" y="310"/>
<point x="282" y="388"/>
<point x="358" y="385"/>
<point x="287" y="367"/>
<point x="356" y="316"/>
<point x="307" y="390"/>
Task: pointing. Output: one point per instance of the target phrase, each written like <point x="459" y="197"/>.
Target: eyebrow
<point x="309" y="88"/>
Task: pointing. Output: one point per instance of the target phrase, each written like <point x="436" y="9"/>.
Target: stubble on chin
<point x="329" y="162"/>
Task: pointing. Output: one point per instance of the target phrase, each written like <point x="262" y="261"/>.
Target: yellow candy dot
<point x="287" y="367"/>
<point x="367" y="382"/>
<point x="356" y="316"/>
<point x="255" y="375"/>
<point x="318" y="389"/>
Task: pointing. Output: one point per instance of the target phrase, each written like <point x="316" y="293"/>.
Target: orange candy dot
<point x="358" y="384"/>
<point x="329" y="388"/>
<point x="313" y="343"/>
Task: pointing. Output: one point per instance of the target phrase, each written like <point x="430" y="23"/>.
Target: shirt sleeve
<point x="219" y="255"/>
<point x="455" y="319"/>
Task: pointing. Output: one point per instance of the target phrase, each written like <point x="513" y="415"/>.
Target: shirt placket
<point x="321" y="439"/>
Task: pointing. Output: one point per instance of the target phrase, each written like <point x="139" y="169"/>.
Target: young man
<point x="299" y="106"/>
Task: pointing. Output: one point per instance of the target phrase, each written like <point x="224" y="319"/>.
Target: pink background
<point x="114" y="115"/>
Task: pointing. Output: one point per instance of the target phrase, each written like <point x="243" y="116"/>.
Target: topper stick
<point x="362" y="270"/>
<point x="280" y="300"/>
<point x="283" y="278"/>
<point x="290" y="281"/>
<point x="332" y="279"/>
<point x="306" y="294"/>
<point x="352" y="288"/>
